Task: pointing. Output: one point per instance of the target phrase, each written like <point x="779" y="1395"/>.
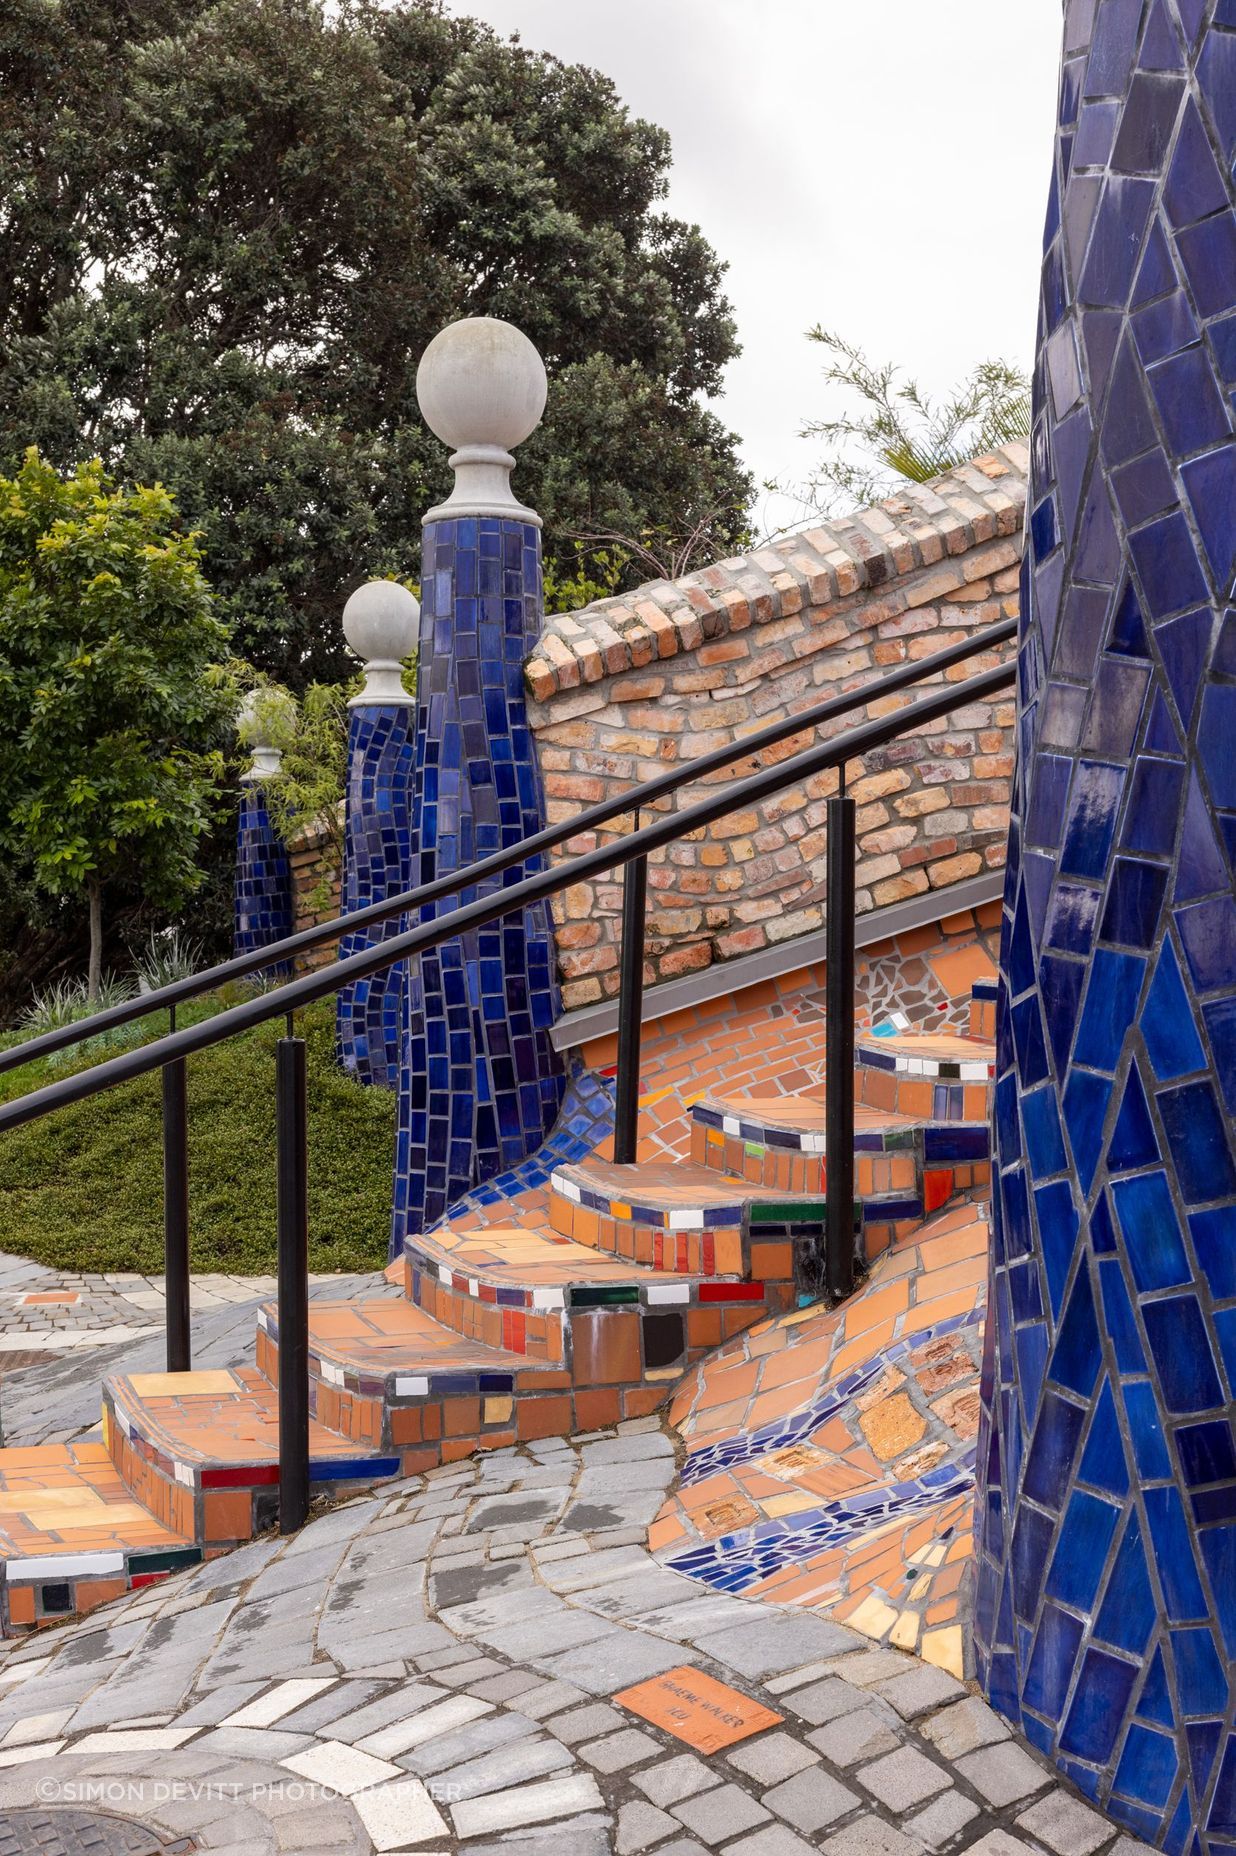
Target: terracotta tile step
<point x="389" y="1377"/>
<point x="680" y="1216"/>
<point x="72" y="1536"/>
<point x="943" y="1056"/>
<point x="536" y="1293"/>
<point x="796" y="1122"/>
<point x="201" y="1451"/>
<point x="779" y="1140"/>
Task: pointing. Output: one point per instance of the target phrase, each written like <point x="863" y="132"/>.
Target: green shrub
<point x="81" y="1189"/>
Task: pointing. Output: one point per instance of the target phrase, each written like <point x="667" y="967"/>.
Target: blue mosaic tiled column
<point x="380" y="623"/>
<point x="1106" y="1591"/>
<point x="377" y="864"/>
<point x="481" y="1084"/>
<point x="263" y="911"/>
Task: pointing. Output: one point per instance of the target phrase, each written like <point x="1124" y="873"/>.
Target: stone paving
<point x="441" y="1667"/>
<point x="46" y="1310"/>
<point x="53" y="1400"/>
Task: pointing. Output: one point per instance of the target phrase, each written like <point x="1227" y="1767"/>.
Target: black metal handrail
<point x="170" y="1051"/>
<point x="634" y="799"/>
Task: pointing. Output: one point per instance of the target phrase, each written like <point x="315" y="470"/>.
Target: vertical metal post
<point x="176" y="1211"/>
<point x="291" y="1120"/>
<point x="630" y="1007"/>
<point x="839" y="1049"/>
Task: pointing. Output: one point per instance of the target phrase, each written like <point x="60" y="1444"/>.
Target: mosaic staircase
<point x="506" y="1333"/>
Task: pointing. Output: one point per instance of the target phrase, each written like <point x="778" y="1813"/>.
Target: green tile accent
<point x="790" y="1211"/>
<point x="170" y="1559"/>
<point x="609" y="1297"/>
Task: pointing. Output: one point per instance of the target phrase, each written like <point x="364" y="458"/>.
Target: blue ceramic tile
<point x="480" y="1082"/>
<point x="1147" y="1219"/>
<point x="379" y="858"/>
<point x="263" y="884"/>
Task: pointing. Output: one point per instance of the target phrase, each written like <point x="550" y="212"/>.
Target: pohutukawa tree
<point x="230" y="231"/>
<point x="109" y="716"/>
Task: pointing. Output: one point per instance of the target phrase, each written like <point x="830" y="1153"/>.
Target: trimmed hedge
<point x="82" y="1188"/>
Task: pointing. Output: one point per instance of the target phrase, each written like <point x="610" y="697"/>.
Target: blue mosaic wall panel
<point x="263" y="902"/>
<point x="1106" y="1589"/>
<point x="377" y="864"/>
<point x="480" y="1083"/>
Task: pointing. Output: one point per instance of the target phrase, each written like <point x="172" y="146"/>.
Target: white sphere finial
<point x="255" y="720"/>
<point x="481" y="387"/>
<point x="380" y="622"/>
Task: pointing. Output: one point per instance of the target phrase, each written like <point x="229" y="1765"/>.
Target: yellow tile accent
<point x="183" y="1385"/>
<point x="789" y="1504"/>
<point x="498" y="1410"/>
<point x="944" y="1648"/>
<point x="619" y="1210"/>
<point x="905" y="1631"/>
<point x="873" y="1617"/>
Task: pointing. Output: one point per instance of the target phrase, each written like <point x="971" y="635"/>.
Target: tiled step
<point x="201" y="1451"/>
<point x="541" y="1294"/>
<point x="388" y="1375"/>
<point x="778" y="1141"/>
<point x="677" y="1215"/>
<point x="929" y="1076"/>
<point x="905" y="1167"/>
<point x="72" y="1536"/>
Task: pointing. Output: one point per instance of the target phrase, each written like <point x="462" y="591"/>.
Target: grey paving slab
<point x="479" y="1669"/>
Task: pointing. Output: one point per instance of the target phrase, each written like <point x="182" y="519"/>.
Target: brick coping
<point x="923" y="528"/>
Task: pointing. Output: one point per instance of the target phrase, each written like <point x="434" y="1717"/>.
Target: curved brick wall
<point x="627" y="686"/>
<point x="1106" y="1603"/>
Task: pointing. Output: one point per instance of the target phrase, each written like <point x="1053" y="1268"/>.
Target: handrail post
<point x="630" y="1008"/>
<point x="291" y="1133"/>
<point x="839" y="1050"/>
<point x="176" y="1214"/>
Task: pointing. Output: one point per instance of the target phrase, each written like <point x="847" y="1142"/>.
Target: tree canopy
<point x="230" y="231"/>
<point x="109" y="716"/>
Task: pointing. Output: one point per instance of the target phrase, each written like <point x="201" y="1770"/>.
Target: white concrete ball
<point x="381" y="621"/>
<point x="481" y="382"/>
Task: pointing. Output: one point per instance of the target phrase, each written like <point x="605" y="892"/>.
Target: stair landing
<point x="201" y="1450"/>
<point x="73" y="1536"/>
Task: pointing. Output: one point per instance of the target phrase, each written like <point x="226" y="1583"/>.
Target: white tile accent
<point x="688" y="1220"/>
<point x="343" y="1768"/>
<point x="415" y="1387"/>
<point x="136" y="1740"/>
<point x="669" y="1292"/>
<point x="399" y="1815"/>
<point x="65" y="1566"/>
<point x="568" y="1189"/>
<point x="279" y="1701"/>
<point x="22" y="1755"/>
<point x="549" y="1298"/>
<point x="730" y="1124"/>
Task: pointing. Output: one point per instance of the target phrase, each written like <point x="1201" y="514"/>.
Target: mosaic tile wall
<point x="263" y="911"/>
<point x="1106" y="1600"/>
<point x="377" y="864"/>
<point x="480" y="1083"/>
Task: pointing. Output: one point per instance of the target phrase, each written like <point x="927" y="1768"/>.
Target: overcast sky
<point x="880" y="166"/>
